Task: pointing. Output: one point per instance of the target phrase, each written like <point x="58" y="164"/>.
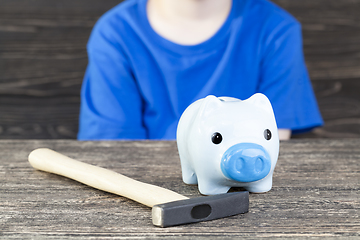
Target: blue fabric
<point x="137" y="84"/>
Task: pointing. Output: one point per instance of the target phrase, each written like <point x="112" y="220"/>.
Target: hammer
<point x="168" y="208"/>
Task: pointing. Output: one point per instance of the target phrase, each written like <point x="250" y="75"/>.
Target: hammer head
<point x="200" y="209"/>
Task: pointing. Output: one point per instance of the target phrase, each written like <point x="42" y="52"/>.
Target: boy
<point x="150" y="59"/>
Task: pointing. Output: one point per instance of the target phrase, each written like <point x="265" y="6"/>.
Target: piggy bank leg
<point x="188" y="174"/>
<point x="261" y="186"/>
<point x="207" y="187"/>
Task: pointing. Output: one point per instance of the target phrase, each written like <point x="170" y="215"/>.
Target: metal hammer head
<point x="200" y="209"/>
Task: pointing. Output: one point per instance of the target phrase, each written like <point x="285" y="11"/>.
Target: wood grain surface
<point x="315" y="194"/>
<point x="43" y="60"/>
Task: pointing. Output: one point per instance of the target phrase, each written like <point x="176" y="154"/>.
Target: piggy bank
<point x="226" y="142"/>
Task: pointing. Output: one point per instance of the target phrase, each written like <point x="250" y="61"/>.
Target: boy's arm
<point x="284" y="134"/>
<point x="111" y="104"/>
<point x="285" y="80"/>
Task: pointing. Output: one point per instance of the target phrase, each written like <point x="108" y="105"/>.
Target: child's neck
<point x="187" y="22"/>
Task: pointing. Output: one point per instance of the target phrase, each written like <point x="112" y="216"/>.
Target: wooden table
<point x="315" y="194"/>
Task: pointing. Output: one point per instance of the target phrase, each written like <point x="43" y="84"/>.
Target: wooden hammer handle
<point x="50" y="161"/>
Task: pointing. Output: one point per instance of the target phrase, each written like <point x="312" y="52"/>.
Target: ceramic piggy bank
<point x="225" y="142"/>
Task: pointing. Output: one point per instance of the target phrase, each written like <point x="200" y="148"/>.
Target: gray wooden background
<point x="43" y="59"/>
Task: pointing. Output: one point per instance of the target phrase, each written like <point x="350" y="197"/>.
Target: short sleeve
<point x="111" y="105"/>
<point x="285" y="80"/>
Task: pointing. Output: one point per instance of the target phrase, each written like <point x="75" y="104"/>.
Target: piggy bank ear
<point x="208" y="105"/>
<point x="261" y="101"/>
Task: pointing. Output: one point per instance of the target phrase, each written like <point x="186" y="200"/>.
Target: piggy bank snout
<point x="246" y="162"/>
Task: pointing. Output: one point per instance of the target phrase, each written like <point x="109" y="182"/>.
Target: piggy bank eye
<point x="267" y="134"/>
<point x="216" y="138"/>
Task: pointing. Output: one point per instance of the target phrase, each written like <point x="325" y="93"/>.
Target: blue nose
<point x="246" y="162"/>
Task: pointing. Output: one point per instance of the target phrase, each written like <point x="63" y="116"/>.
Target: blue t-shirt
<point x="137" y="84"/>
